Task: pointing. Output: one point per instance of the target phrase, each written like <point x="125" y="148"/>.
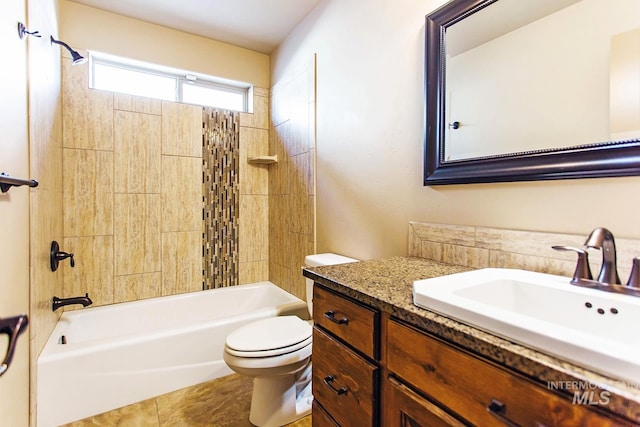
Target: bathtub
<point x="122" y="353"/>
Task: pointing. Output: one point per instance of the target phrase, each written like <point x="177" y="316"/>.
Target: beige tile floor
<point x="223" y="402"/>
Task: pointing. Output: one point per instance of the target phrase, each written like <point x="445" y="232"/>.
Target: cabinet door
<point x="406" y="408"/>
<point x="479" y="391"/>
<point x="320" y="418"/>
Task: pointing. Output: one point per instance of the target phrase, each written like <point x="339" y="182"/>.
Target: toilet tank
<point x="318" y="260"/>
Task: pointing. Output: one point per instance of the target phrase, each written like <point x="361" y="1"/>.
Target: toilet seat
<point x="269" y="337"/>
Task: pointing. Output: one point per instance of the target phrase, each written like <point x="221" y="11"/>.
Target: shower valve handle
<point x="56" y="255"/>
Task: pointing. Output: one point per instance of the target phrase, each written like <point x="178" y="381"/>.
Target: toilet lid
<point x="281" y="332"/>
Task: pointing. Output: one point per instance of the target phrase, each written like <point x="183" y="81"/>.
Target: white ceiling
<point x="258" y="25"/>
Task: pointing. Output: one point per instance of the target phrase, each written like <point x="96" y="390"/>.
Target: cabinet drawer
<point x="468" y="385"/>
<point x="320" y="417"/>
<point x="347" y="320"/>
<point x="344" y="383"/>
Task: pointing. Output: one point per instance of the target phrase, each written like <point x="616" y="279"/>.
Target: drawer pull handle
<point x="328" y="380"/>
<point x="497" y="409"/>
<point x="331" y="316"/>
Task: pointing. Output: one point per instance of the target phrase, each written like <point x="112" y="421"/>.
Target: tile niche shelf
<point x="262" y="160"/>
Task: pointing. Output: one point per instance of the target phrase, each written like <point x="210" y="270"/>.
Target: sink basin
<point x="589" y="327"/>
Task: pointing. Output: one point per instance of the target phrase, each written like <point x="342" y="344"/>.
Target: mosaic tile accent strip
<point x="220" y="160"/>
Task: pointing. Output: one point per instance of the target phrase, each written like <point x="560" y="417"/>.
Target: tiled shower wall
<point x="45" y="153"/>
<point x="482" y="247"/>
<point x="292" y="179"/>
<point x="253" y="228"/>
<point x="132" y="180"/>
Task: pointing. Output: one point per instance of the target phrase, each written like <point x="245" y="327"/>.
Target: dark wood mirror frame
<point x="607" y="159"/>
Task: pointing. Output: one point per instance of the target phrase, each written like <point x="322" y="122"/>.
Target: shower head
<point x="75" y="56"/>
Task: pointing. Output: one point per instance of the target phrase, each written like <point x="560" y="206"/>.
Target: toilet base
<point x="281" y="400"/>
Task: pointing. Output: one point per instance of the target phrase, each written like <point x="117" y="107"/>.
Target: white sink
<point x="544" y="312"/>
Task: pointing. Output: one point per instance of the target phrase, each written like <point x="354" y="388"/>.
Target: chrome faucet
<point x="61" y="302"/>
<point x="602" y="239"/>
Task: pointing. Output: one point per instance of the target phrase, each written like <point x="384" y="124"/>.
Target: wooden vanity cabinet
<point x="472" y="390"/>
<point x="370" y="369"/>
<point x="345" y="369"/>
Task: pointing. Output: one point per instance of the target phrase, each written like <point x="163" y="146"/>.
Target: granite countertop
<point x="387" y="284"/>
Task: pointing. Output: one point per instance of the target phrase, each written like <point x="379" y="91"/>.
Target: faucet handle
<point x="582" y="271"/>
<point x="634" y="277"/>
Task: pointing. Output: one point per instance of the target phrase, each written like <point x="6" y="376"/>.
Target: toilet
<point x="276" y="352"/>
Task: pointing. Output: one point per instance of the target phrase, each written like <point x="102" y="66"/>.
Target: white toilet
<point x="276" y="352"/>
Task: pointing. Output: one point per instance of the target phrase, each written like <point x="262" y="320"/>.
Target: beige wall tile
<point x="454" y="254"/>
<point x="88" y="192"/>
<point x="301" y="246"/>
<point x="87" y="113"/>
<point x="259" y="118"/>
<point x="181" y="262"/>
<point x="46" y="226"/>
<point x="301" y="218"/>
<point x="153" y="193"/>
<point x="253" y="234"/>
<point x="254" y="178"/>
<point x="280" y="102"/>
<point x="137" y="234"/>
<point x="533" y="263"/>
<point x="280" y="275"/>
<point x="137" y="104"/>
<point x="44" y="207"/>
<point x="253" y="272"/>
<point x="181" y="129"/>
<point x="181" y="194"/>
<point x="299" y="114"/>
<point x="45" y="137"/>
<point x="524" y="242"/>
<point x="301" y="173"/>
<point x="444" y="233"/>
<point x="137" y="286"/>
<point x="292" y="179"/>
<point x="93" y="271"/>
<point x="279" y="173"/>
<point x="279" y="226"/>
<point x="137" y="152"/>
<point x="503" y="248"/>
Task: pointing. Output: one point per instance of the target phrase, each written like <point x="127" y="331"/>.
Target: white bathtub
<point x="123" y="353"/>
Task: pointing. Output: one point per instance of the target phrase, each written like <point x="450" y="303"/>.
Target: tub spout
<point x="61" y="302"/>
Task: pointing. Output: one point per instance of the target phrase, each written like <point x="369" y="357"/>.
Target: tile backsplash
<point x="482" y="247"/>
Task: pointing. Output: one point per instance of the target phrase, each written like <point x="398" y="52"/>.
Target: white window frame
<point x="181" y="77"/>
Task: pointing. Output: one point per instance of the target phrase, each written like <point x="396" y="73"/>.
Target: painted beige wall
<point x="14" y="213"/>
<point x="88" y="28"/>
<point x="369" y="93"/>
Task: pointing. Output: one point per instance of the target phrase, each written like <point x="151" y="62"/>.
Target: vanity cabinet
<point x="471" y="389"/>
<point x="370" y="369"/>
<point x="345" y="361"/>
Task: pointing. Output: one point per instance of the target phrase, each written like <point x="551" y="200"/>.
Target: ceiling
<point x="258" y="25"/>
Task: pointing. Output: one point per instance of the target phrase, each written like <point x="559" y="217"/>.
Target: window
<point x="135" y="78"/>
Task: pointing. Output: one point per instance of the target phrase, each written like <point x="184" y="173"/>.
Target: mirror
<point x="522" y="90"/>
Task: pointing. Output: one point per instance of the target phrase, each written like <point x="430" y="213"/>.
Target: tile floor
<point x="223" y="402"/>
